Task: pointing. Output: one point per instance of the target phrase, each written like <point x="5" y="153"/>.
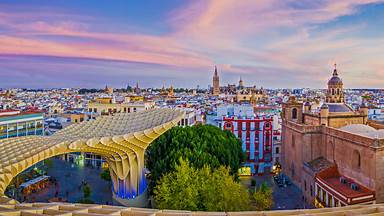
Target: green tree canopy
<point x="106" y="175"/>
<point x="86" y="191"/>
<point x="263" y="197"/>
<point x="188" y="188"/>
<point x="201" y="145"/>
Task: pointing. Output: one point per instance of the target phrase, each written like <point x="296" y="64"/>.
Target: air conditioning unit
<point x="354" y="187"/>
<point x="343" y="180"/>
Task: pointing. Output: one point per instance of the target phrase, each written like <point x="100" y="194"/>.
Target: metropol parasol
<point x="121" y="139"/>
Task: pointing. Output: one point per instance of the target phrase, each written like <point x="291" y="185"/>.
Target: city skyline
<point x="273" y="44"/>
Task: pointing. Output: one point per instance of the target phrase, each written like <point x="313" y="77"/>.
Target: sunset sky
<point x="269" y="43"/>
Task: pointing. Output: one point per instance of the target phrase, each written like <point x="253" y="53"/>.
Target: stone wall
<point x="343" y="120"/>
<point x="303" y="143"/>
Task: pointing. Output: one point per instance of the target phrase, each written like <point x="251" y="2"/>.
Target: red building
<point x="256" y="134"/>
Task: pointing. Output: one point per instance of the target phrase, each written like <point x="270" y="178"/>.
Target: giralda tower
<point x="216" y="83"/>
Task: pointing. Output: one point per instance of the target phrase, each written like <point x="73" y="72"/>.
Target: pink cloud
<point x="113" y="46"/>
<point x="230" y="25"/>
<point x="205" y="32"/>
<point x="17" y="45"/>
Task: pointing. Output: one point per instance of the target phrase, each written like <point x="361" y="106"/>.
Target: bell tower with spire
<point x="171" y="93"/>
<point x="216" y="83"/>
<point x="335" y="93"/>
<point x="241" y="83"/>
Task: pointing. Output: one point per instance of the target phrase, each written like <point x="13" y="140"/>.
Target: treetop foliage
<point x="188" y="188"/>
<point x="263" y="197"/>
<point x="201" y="145"/>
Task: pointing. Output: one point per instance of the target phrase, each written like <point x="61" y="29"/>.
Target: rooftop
<point x="333" y="179"/>
<point x="319" y="164"/>
<point x="11" y="113"/>
<point x="364" y="130"/>
<point x="339" y="107"/>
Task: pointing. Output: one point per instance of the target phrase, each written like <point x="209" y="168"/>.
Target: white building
<point x="189" y="118"/>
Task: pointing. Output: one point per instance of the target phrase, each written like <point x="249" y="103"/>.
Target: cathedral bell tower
<point x="241" y="83"/>
<point x="216" y="83"/>
<point x="292" y="110"/>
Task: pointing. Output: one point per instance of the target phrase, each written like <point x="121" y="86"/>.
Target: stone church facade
<point x="331" y="152"/>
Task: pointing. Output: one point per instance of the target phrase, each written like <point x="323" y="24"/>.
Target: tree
<point x="263" y="197"/>
<point x="188" y="188"/>
<point x="86" y="195"/>
<point x="221" y="193"/>
<point x="177" y="190"/>
<point x="202" y="145"/>
<point x="49" y="163"/>
<point x="86" y="192"/>
<point x="105" y="175"/>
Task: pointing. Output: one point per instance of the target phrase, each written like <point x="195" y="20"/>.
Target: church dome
<point x="324" y="106"/>
<point x="335" y="79"/>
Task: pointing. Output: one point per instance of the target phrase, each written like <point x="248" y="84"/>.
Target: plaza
<point x="288" y="197"/>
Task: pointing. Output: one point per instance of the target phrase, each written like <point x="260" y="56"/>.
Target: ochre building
<point x="331" y="152"/>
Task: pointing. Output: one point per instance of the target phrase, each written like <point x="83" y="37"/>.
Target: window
<point x="267" y="148"/>
<point x="324" y="197"/>
<point x="292" y="170"/>
<point x="311" y="188"/>
<point x="318" y="191"/>
<point x="294" y="113"/>
<point x="267" y="157"/>
<point x="293" y="141"/>
<point x="356" y="160"/>
<point x="277" y="150"/>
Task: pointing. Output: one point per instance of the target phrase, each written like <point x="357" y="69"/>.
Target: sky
<point x="269" y="43"/>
